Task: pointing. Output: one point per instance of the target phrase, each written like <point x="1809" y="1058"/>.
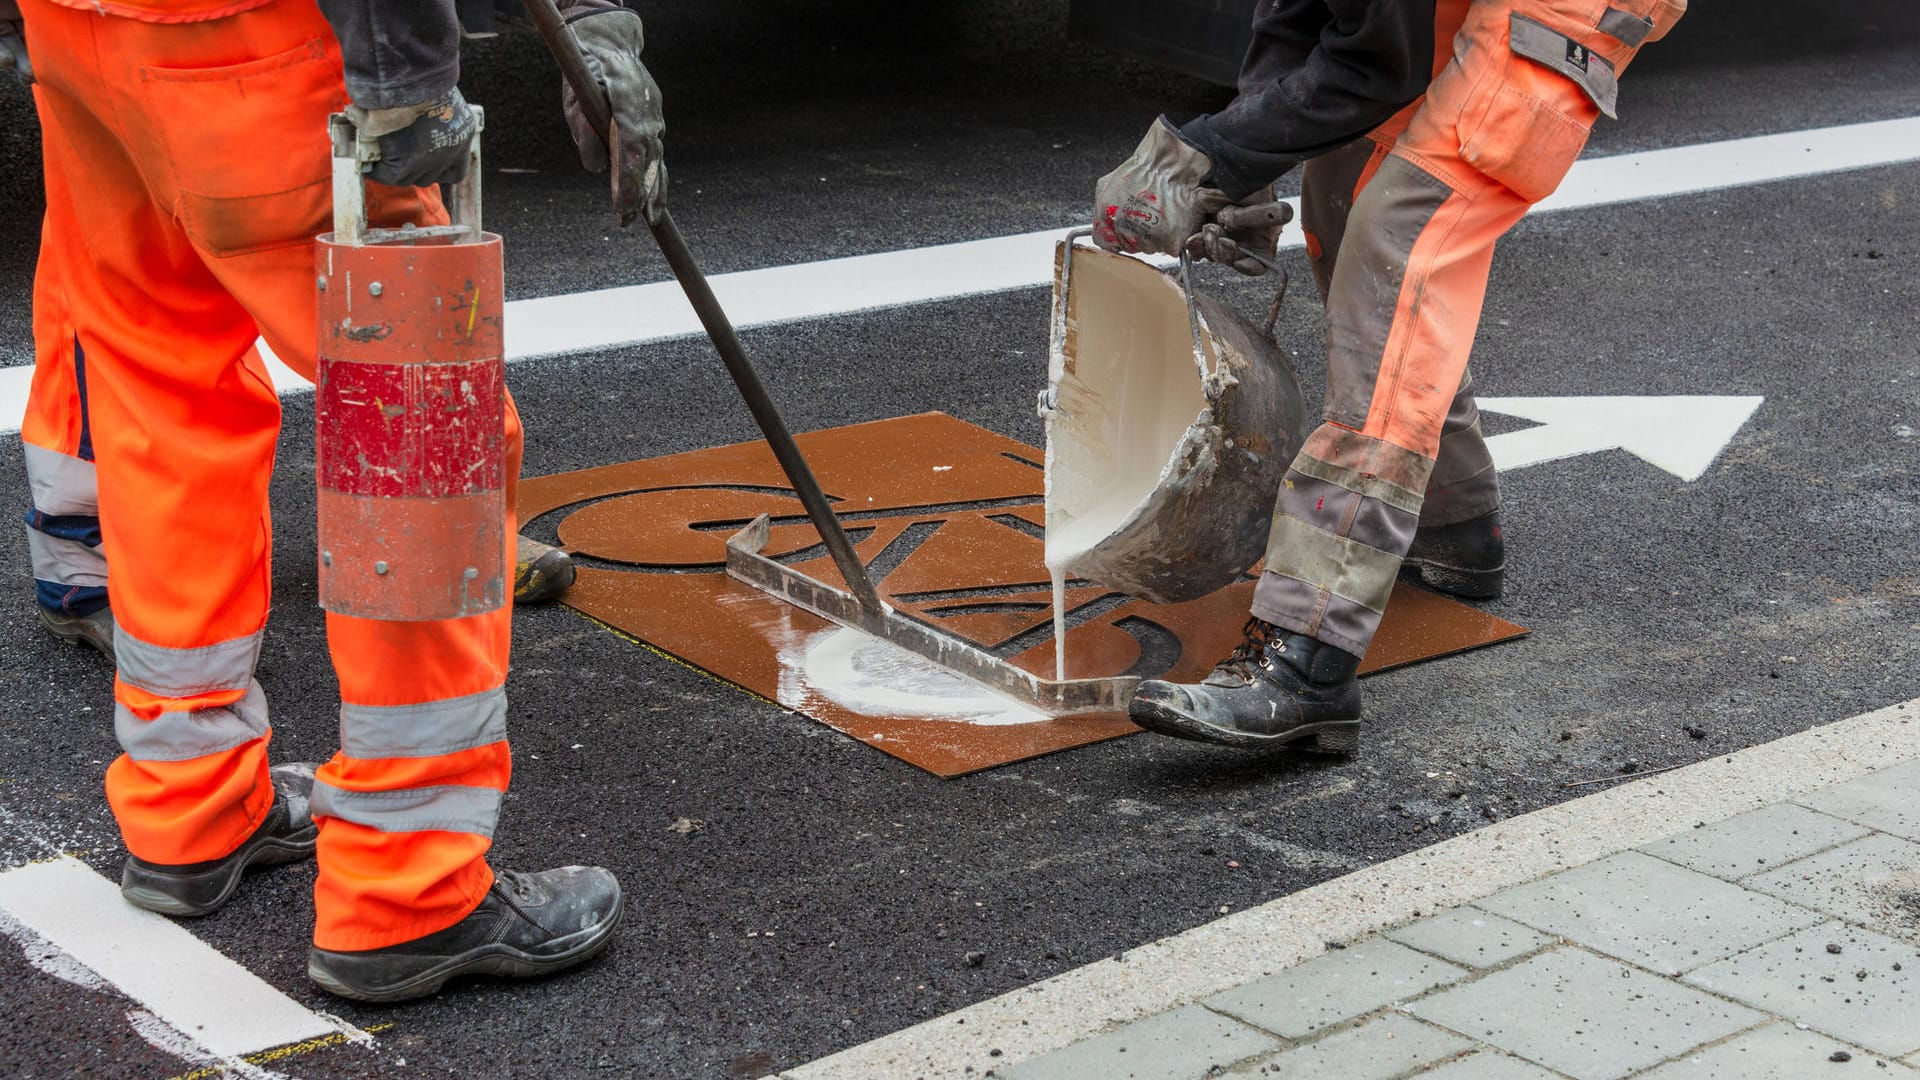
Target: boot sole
<point x="142" y="888"/>
<point x="499" y="960"/>
<point x="1460" y="581"/>
<point x="1338" y="737"/>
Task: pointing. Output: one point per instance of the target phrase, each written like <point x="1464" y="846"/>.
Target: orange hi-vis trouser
<point x="1430" y="194"/>
<point x="63" y="522"/>
<point x="197" y="155"/>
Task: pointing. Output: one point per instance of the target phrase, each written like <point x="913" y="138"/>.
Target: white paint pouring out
<point x="874" y="677"/>
<point x="1122" y="393"/>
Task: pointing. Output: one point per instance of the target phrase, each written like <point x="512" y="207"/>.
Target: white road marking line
<point x="1682" y="435"/>
<point x="1023" y="1024"/>
<point x="192" y="987"/>
<point x="633" y="314"/>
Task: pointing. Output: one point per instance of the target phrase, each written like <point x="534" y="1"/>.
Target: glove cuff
<point x="371" y="124"/>
<point x="1163" y="151"/>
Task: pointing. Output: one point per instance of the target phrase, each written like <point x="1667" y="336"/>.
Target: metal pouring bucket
<point x="1170" y="423"/>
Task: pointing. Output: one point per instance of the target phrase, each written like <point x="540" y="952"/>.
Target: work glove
<point x="13" y="41"/>
<point x="417" y="145"/>
<point x="1249" y="226"/>
<point x="1154" y="201"/>
<point x="611" y="42"/>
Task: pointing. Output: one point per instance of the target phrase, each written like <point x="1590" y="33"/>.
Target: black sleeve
<point x="397" y="52"/>
<point x="1320" y="74"/>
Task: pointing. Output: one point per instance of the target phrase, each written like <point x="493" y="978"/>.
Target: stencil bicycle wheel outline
<point x="949" y="517"/>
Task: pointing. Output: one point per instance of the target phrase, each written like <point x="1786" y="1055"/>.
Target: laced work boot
<point x="1467" y="559"/>
<point x="1275" y="688"/>
<point x="95" y="630"/>
<point x="528" y="925"/>
<point x="188" y="889"/>
<point x="541" y="572"/>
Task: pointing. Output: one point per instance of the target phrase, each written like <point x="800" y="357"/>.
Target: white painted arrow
<point x="1682" y="435"/>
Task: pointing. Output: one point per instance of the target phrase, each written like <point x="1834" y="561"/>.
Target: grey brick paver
<point x="1334" y="987"/>
<point x="1489" y="1065"/>
<point x="1650" y="912"/>
<point x="1184" y="1044"/>
<point x="1467" y="935"/>
<point x="1875" y="881"/>
<point x="1854" y="994"/>
<point x="1585" y="1015"/>
<point x="1754" y="842"/>
<point x="1776" y="1052"/>
<point x="1888" y="800"/>
<point x="1381" y="1049"/>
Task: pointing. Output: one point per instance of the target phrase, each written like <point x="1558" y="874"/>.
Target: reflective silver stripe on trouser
<point x="1345" y="516"/>
<point x="424" y="730"/>
<point x="179" y="673"/>
<point x="61" y="483"/>
<point x="183" y="736"/>
<point x="451" y="808"/>
<point x="66" y="562"/>
<point x="1465" y="484"/>
<point x="63" y="486"/>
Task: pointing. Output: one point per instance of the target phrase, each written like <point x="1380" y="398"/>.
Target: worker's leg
<point x="1498" y="130"/>
<point x="1459" y="546"/>
<point x="63" y="522"/>
<point x="408" y="807"/>
<point x="183" y="430"/>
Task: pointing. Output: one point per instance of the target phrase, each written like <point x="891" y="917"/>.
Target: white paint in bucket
<point x="1123" y="392"/>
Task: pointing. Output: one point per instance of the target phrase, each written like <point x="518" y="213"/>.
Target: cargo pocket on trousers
<point x="1539" y="112"/>
<point x="248" y="146"/>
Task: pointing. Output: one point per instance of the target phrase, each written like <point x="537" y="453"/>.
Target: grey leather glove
<point x="1154" y="201"/>
<point x="13" y="42"/>
<point x="611" y="42"/>
<point x="1251" y="225"/>
<point x="417" y="145"/>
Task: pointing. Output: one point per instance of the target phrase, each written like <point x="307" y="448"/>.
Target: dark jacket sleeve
<point x="1320" y="73"/>
<point x="397" y="52"/>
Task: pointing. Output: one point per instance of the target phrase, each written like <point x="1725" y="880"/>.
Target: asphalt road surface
<point x="835" y="894"/>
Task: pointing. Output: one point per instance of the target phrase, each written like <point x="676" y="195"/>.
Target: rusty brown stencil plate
<point x="948" y="516"/>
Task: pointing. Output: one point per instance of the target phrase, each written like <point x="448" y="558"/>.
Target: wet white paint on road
<point x="874" y="677"/>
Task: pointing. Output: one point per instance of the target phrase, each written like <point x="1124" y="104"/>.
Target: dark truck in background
<point x="1203" y="38"/>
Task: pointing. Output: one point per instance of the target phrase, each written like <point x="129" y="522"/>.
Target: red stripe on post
<point x="411" y="430"/>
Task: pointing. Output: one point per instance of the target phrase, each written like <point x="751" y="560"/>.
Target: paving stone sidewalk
<point x="1782" y="943"/>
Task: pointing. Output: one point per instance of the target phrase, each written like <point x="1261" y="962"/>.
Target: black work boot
<point x="541" y="572"/>
<point x="1467" y="558"/>
<point x="1276" y="688"/>
<point x="528" y="924"/>
<point x="95" y="630"/>
<point x="285" y="836"/>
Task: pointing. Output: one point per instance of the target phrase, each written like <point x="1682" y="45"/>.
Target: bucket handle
<point x="1207" y="378"/>
<point x="350" y="160"/>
